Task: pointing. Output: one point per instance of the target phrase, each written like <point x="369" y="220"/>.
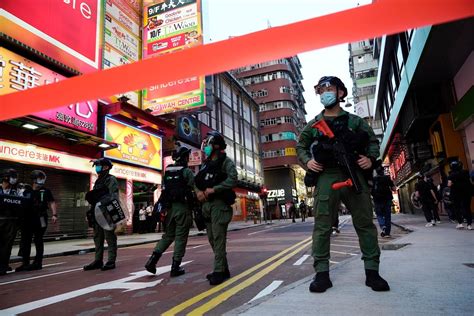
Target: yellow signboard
<point x="135" y="146"/>
<point x="290" y="151"/>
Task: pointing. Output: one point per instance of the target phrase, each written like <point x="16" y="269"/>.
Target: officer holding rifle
<point x="338" y="149"/>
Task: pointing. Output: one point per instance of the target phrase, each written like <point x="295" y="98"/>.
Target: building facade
<point x="424" y="99"/>
<point x="276" y="87"/>
<point x="363" y="68"/>
<point x="233" y="112"/>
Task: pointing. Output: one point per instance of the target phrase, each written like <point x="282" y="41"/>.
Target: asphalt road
<point x="261" y="260"/>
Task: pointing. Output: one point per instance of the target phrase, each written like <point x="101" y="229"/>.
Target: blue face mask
<point x="208" y="150"/>
<point x="328" y="99"/>
<point x="98" y="169"/>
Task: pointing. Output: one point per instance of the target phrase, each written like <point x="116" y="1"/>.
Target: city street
<point x="261" y="259"/>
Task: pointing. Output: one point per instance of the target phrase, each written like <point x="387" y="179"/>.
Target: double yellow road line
<point x="281" y="257"/>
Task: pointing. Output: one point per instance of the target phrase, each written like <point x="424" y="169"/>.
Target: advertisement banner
<point x="124" y="14"/>
<point x="122" y="43"/>
<point x="134" y="145"/>
<point x="188" y="129"/>
<point x="121" y="39"/>
<point x="40" y="156"/>
<point x="51" y="27"/>
<point x="18" y="73"/>
<point x="171" y="25"/>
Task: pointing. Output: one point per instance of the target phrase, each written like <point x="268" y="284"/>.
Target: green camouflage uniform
<point x="219" y="215"/>
<point x="327" y="200"/>
<point x="100" y="234"/>
<point x="178" y="222"/>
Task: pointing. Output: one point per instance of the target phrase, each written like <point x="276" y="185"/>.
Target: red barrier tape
<point x="382" y="17"/>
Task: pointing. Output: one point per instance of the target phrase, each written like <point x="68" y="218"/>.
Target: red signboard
<point x="65" y="30"/>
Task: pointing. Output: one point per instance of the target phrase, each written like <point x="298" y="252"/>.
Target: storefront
<point x="70" y="177"/>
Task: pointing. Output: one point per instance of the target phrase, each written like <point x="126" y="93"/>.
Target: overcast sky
<point x="238" y="17"/>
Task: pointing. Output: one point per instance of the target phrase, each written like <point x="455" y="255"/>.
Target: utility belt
<point x="227" y="196"/>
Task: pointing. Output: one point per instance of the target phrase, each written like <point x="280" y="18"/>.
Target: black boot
<point x="217" y="278"/>
<point x="176" y="270"/>
<point x="94" y="265"/>
<point x="150" y="265"/>
<point x="226" y="273"/>
<point x="24" y="267"/>
<point x="375" y="281"/>
<point x="320" y="283"/>
<point x="109" y="265"/>
<point x="36" y="265"/>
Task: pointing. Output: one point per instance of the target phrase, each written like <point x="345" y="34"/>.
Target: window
<point x="246" y="111"/>
<point x="259" y="93"/>
<point x="227" y="120"/>
<point x="226" y="93"/>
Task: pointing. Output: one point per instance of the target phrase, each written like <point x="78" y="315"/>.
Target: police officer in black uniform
<point x="10" y="215"/>
<point x="35" y="222"/>
<point x="176" y="199"/>
<point x="106" y="185"/>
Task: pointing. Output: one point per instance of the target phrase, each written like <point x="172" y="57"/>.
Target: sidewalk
<point x="427" y="277"/>
<point x="76" y="246"/>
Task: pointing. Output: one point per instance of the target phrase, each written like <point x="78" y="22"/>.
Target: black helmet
<point x="333" y="81"/>
<point x="455" y="165"/>
<point x="180" y="154"/>
<point x="37" y="174"/>
<point x="215" y="138"/>
<point x="9" y="173"/>
<point x="103" y="162"/>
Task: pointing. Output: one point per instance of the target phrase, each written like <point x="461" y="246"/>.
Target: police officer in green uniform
<point x="214" y="184"/>
<point x="10" y="216"/>
<point x="176" y="200"/>
<point x="105" y="185"/>
<point x="326" y="200"/>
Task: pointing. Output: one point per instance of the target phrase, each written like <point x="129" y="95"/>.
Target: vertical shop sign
<point x="168" y="26"/>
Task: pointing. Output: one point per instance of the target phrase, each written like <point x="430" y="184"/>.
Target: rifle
<point x="344" y="158"/>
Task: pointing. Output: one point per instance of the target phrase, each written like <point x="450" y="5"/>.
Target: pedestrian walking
<point x="292" y="211"/>
<point x="357" y="137"/>
<point x="424" y="192"/>
<point x="105" y="187"/>
<point x="35" y="222"/>
<point x="461" y="193"/>
<point x="438" y="199"/>
<point x="176" y="201"/>
<point x="303" y="209"/>
<point x="214" y="183"/>
<point x="382" y="194"/>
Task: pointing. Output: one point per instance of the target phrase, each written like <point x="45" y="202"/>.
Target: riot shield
<point x="108" y="213"/>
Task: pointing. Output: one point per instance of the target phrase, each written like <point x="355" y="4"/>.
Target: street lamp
<point x="348" y="104"/>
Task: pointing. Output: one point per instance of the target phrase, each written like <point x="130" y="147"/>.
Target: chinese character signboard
<point x="18" y="74"/>
<point x="134" y="145"/>
<point x="67" y="30"/>
<point x="40" y="156"/>
<point x="122" y="43"/>
<point x="171" y="25"/>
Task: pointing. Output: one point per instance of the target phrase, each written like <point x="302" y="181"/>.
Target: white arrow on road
<point x="117" y="284"/>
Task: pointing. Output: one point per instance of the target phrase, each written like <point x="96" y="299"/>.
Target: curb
<point x="14" y="259"/>
<point x="404" y="228"/>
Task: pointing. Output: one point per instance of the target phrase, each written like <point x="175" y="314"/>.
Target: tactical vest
<point x="210" y="175"/>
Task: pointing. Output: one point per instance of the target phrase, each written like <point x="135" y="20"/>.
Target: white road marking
<point x="269" y="289"/>
<point x="198" y="246"/>
<point x="40" y="276"/>
<point x="349" y="246"/>
<point x="330" y="261"/>
<point x="116" y="284"/>
<point x="261" y="231"/>
<point x="344" y="253"/>
<point x="301" y="260"/>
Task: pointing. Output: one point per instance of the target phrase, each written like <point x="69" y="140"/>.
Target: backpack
<point x="175" y="186"/>
<point x="381" y="189"/>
